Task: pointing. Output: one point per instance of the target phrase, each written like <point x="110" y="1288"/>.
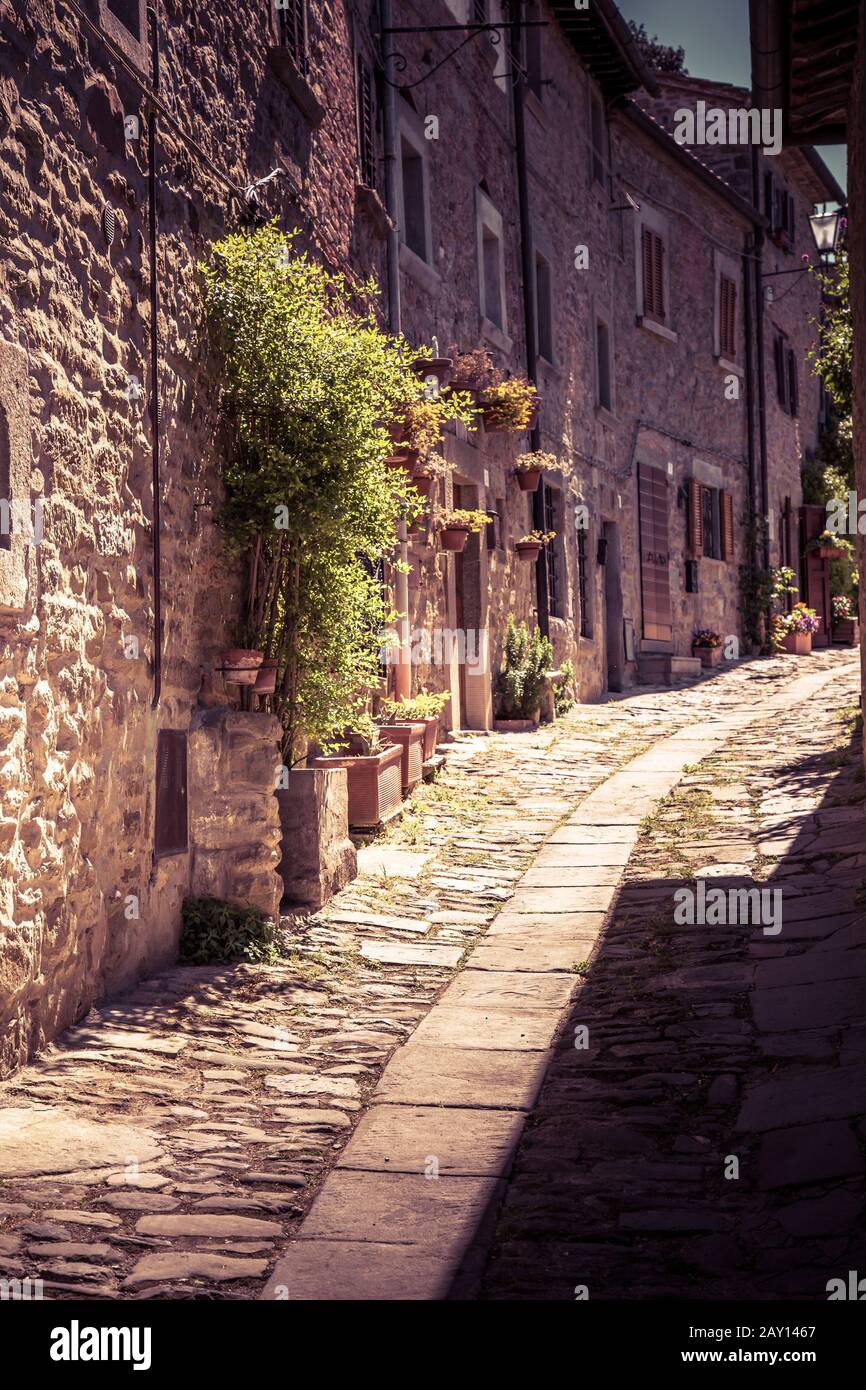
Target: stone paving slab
<point x="410" y="1139"/>
<point x="427" y="1074"/>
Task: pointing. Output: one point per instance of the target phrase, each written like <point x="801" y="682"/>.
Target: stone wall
<point x="857" y="234"/>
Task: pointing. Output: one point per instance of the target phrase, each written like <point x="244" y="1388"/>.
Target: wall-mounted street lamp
<point x="826" y="227"/>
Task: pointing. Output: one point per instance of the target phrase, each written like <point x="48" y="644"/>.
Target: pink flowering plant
<point x="842" y="608"/>
<point x="705" y="637"/>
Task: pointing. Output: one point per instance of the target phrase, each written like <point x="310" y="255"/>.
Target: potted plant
<point x="529" y="468"/>
<point x="472" y="371"/>
<point x="409" y="736"/>
<point x="266" y="680"/>
<point x="827" y="546"/>
<point x="457" y="526"/>
<point x="509" y="405"/>
<point x="373" y="773"/>
<point x="435" y="367"/>
<point x="240" y="665"/>
<point x="529" y="547"/>
<point x="434" y="467"/>
<point x="707" y="645"/>
<point x="525" y="663"/>
<point x="424" y="708"/>
<point x="793" y="631"/>
<point x="846" y="628"/>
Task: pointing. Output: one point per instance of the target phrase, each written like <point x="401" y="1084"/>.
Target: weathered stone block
<point x="318" y="856"/>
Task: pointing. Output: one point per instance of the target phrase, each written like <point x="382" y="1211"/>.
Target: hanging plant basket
<point x="406" y="459"/>
<point x="829" y="552"/>
<point x="266" y="680"/>
<point x="240" y="665"/>
<point x="528" y="479"/>
<point x="528" y="550"/>
<point x="423" y="483"/>
<point x="440" y="367"/>
<point x="454" y="538"/>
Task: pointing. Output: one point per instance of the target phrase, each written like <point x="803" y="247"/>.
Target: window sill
<point x="536" y="107"/>
<point x="548" y="367"/>
<point x="422" y="273"/>
<point x="657" y="328"/>
<point x="371" y="206"/>
<point x="137" y="50"/>
<point x="286" y="69"/>
<point x="728" y="366"/>
<point x="606" y="416"/>
<point x="496" y="336"/>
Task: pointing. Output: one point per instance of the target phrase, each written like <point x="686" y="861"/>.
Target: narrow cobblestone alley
<point x="173" y="1143"/>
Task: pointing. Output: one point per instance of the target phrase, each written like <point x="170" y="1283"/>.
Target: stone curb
<point x="410" y="1208"/>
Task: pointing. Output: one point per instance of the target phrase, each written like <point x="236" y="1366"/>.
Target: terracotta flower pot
<point x="410" y="737"/>
<point x="423" y="483"/>
<point x="440" y="367"/>
<point x="266" y="680"/>
<point x="240" y="665"/>
<point x="374" y="784"/>
<point x="528" y="479"/>
<point x="406" y="459"/>
<point x="709" y="656"/>
<point x="528" y="550"/>
<point x="454" y="538"/>
<point x="797" y="643"/>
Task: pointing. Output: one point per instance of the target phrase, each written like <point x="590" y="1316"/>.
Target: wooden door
<point x="654" y="554"/>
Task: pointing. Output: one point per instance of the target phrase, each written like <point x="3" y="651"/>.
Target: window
<point x="727" y="318"/>
<point x="596" y="125"/>
<point x="479" y="11"/>
<point x="129" y="14"/>
<point x="501" y="528"/>
<point x="551" y="523"/>
<point x="491" y="262"/>
<point x="787" y="375"/>
<point x="543" y="307"/>
<point x="171" y="835"/>
<point x="413" y="181"/>
<point x="532" y="49"/>
<point x="582" y="585"/>
<point x="780" y="211"/>
<point x="652" y="272"/>
<point x="710" y="522"/>
<point x="366" y="123"/>
<point x="604" y="394"/>
<point x="292" y="30"/>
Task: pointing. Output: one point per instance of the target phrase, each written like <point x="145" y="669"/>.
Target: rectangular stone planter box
<point x="410" y="737"/>
<point x="431" y="736"/>
<point x="847" y="632"/>
<point x="708" y="656"/>
<point x="318" y="857"/>
<point x="797" y="643"/>
<point x="374" y="785"/>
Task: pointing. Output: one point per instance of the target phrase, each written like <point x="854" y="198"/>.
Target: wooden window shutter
<point x="171" y="836"/>
<point x="781" y="370"/>
<point x="696" y="518"/>
<point x="770" y="199"/>
<point x="653" y="274"/>
<point x="727" y="317"/>
<point x="647" y="255"/>
<point x="726" y="508"/>
<point x="793" y="382"/>
<point x="658" y="276"/>
<point x="366" y="125"/>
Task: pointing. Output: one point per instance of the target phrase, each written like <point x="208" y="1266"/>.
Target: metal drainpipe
<point x="402" y="666"/>
<point x="762" y="385"/>
<point x="517" y="14"/>
<point x="154" y="368"/>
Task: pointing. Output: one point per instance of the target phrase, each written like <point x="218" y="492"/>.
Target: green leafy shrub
<point x="220" y="933"/>
<point x="525" y="663"/>
<point x="563" y="694"/>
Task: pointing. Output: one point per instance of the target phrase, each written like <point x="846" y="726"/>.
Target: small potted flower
<point x="794" y="630"/>
<point x="529" y="547"/>
<point x="827" y="546"/>
<point x="458" y="525"/>
<point x="846" y="628"/>
<point x="510" y="405"/>
<point x="707" y="645"/>
<point x="472" y="371"/>
<point x="434" y="371"/>
<point x="529" y="468"/>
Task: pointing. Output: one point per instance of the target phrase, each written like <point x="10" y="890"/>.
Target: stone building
<point x="549" y="219"/>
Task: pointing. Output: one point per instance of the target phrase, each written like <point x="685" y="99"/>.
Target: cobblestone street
<point x="174" y="1142"/>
